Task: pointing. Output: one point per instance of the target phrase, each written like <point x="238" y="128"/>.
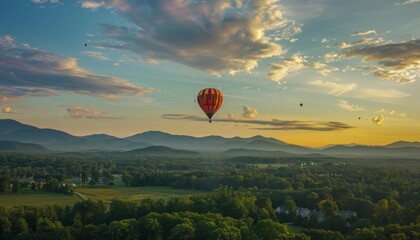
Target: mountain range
<point x="16" y="136"/>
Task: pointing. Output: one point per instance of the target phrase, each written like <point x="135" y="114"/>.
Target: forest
<point x="241" y="198"/>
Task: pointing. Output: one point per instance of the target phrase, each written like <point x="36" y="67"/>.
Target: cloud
<point x="93" y="4"/>
<point x="97" y="55"/>
<point x="89" y="113"/>
<point x="322" y="68"/>
<point x="288" y="65"/>
<point x="396" y="76"/>
<point x="363" y="33"/>
<point x="27" y="71"/>
<point x="383" y="93"/>
<point x="331" y="57"/>
<point x="296" y="63"/>
<point x="6" y="99"/>
<point x="9" y="110"/>
<point x="364" y="41"/>
<point x="216" y="36"/>
<point x="274" y="124"/>
<point x="44" y="1"/>
<point x="409" y="2"/>
<point x="399" y="61"/>
<point x="249" y="112"/>
<point x="333" y="88"/>
<point x="378" y="120"/>
<point x="391" y="113"/>
<point x="349" y="107"/>
<point x="15" y="93"/>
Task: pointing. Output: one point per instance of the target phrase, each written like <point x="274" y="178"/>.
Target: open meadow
<point x="29" y="197"/>
<point x="133" y="193"/>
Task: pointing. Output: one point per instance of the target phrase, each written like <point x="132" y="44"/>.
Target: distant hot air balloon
<point x="301" y="104"/>
<point x="210" y="100"/>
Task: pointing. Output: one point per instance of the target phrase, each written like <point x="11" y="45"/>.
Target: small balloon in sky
<point x="301" y="104"/>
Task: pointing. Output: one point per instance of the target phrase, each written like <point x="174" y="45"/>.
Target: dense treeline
<point x="383" y="201"/>
<point x="222" y="214"/>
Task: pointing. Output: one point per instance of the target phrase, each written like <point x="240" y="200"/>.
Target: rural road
<point x="81" y="196"/>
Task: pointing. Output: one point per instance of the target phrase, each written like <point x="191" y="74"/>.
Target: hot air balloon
<point x="210" y="100"/>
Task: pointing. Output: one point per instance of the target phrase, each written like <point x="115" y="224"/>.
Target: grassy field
<point x="297" y="229"/>
<point x="133" y="193"/>
<point x="273" y="165"/>
<point x="28" y="197"/>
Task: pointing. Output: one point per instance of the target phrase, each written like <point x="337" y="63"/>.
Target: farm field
<point x="133" y="193"/>
<point x="29" y="197"/>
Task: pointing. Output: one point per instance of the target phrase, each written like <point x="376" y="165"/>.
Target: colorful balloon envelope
<point x="210" y="100"/>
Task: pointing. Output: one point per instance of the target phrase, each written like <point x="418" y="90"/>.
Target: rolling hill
<point x="156" y="142"/>
<point x="11" y="146"/>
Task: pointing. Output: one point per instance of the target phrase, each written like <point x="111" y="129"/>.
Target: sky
<point x="122" y="67"/>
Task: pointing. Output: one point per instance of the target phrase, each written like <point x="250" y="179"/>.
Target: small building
<point x="347" y="214"/>
<point x="303" y="212"/>
<point x="282" y="209"/>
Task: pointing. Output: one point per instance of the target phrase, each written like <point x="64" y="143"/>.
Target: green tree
<point x="4" y="183"/>
<point x="320" y="234"/>
<point x="5" y="227"/>
<point x="47" y="230"/>
<point x="290" y="204"/>
<point x="328" y="207"/>
<point x="268" y="229"/>
<point x="123" y="230"/>
<point x="20" y="227"/>
<point x="184" y="231"/>
<point x="15" y="185"/>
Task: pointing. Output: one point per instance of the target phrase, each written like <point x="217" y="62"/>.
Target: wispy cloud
<point x="216" y="36"/>
<point x="9" y="110"/>
<point x="409" y="2"/>
<point x="296" y="63"/>
<point x="363" y="33"/>
<point x="333" y="88"/>
<point x="391" y="113"/>
<point x="363" y="42"/>
<point x="44" y="1"/>
<point x="92" y="4"/>
<point x="322" y="68"/>
<point x="28" y="71"/>
<point x="382" y="93"/>
<point x="331" y="57"/>
<point x="274" y="124"/>
<point x="288" y="65"/>
<point x="249" y="112"/>
<point x="398" y="62"/>
<point x="349" y="107"/>
<point x="89" y="113"/>
<point x="378" y="120"/>
<point x="6" y="99"/>
<point x="389" y="74"/>
<point x="97" y="55"/>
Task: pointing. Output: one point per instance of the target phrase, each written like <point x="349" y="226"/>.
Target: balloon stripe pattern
<point x="210" y="100"/>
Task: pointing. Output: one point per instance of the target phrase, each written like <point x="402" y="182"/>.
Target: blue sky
<point x="353" y="64"/>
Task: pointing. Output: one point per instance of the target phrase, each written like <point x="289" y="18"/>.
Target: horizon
<point x="203" y="136"/>
<point x="310" y="73"/>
